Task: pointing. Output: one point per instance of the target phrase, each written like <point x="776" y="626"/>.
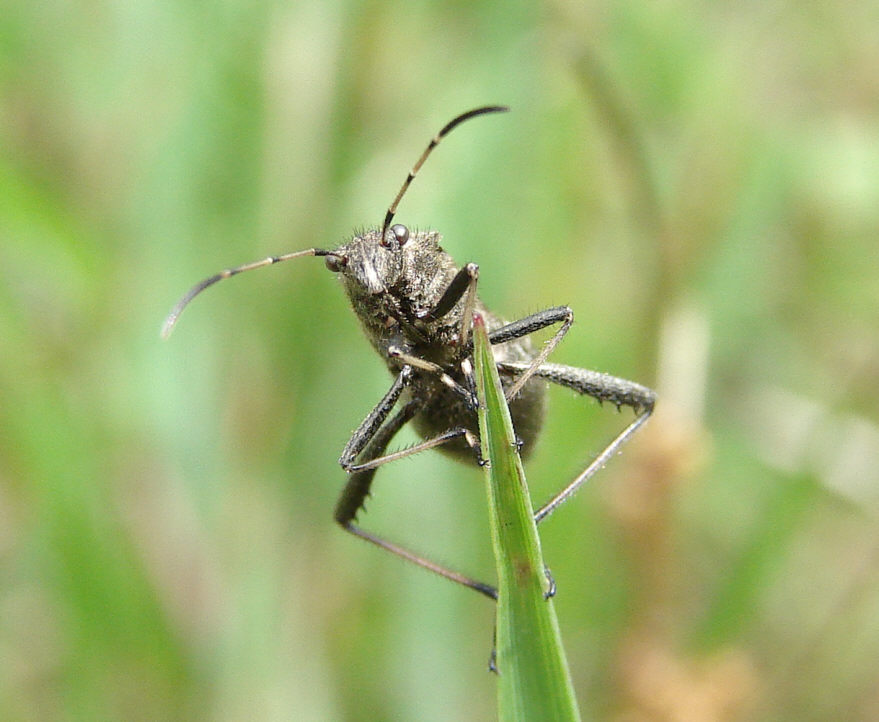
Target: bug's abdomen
<point x="527" y="411"/>
<point x="444" y="410"/>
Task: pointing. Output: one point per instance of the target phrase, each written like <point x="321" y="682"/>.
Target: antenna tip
<point x="167" y="327"/>
<point x="171" y="321"/>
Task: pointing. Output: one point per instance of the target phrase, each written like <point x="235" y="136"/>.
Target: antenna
<point x="447" y="128"/>
<point x="168" y="326"/>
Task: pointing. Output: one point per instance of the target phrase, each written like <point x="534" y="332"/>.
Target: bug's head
<point x="371" y="265"/>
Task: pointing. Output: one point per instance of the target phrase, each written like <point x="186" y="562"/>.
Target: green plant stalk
<point x="534" y="682"/>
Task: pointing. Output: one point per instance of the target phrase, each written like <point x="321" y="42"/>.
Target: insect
<point x="416" y="308"/>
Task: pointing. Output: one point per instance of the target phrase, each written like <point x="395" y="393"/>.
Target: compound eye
<point x="401" y="233"/>
<point x="336" y="263"/>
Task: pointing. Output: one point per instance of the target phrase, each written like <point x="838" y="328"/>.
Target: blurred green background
<point x="698" y="180"/>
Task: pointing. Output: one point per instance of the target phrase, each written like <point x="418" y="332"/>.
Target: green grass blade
<point x="534" y="682"/>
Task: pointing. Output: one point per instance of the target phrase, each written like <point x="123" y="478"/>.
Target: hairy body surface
<point x="416" y="307"/>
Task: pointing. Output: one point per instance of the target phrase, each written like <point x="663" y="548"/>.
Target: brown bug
<point x="416" y="308"/>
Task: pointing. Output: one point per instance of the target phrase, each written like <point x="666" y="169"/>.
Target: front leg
<point x="463" y="285"/>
